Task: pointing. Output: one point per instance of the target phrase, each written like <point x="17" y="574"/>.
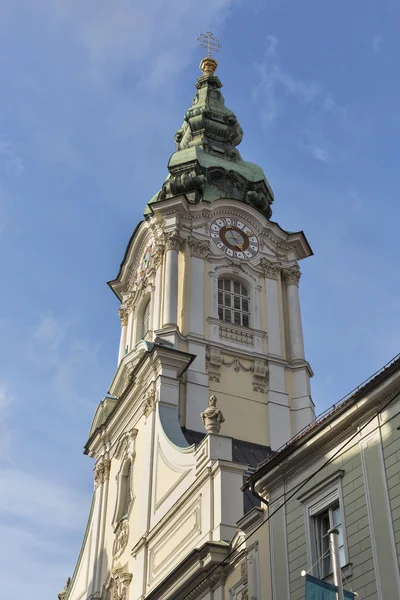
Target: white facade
<point x="209" y="307"/>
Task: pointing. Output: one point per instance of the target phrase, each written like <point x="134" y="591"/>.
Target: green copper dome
<point x="206" y="165"/>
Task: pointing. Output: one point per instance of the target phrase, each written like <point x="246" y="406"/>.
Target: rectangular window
<point x="322" y="523"/>
<point x="323" y="510"/>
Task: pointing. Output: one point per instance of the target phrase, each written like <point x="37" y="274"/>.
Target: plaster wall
<point x="369" y="476"/>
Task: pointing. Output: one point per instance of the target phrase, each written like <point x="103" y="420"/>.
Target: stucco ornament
<point x="291" y="276"/>
<point x="121" y="538"/>
<point x="102" y="472"/>
<point x="63" y="592"/>
<point x="271" y="270"/>
<point x="212" y="416"/>
<point x="149" y="403"/>
<point x="119" y="586"/>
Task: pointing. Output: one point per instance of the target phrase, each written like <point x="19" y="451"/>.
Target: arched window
<point x="233" y="302"/>
<point x="145" y="325"/>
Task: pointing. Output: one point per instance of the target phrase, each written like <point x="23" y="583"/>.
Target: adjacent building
<point x="343" y="472"/>
<point x="211" y="379"/>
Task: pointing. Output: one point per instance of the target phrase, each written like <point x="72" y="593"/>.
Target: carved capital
<point x="106" y="469"/>
<point x="158" y="255"/>
<point x="130" y="303"/>
<point x="291" y="276"/>
<point x="102" y="472"/>
<point x="198" y="249"/>
<point x="123" y="315"/>
<point x="98" y="474"/>
<point x="271" y="270"/>
<point x="149" y="403"/>
<point x="173" y="241"/>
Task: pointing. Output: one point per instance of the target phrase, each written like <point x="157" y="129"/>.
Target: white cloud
<point x="5" y="399"/>
<point x="317" y="145"/>
<point x="130" y="32"/>
<point x="376" y="43"/>
<point x="9" y="158"/>
<point x="49" y="503"/>
<point x="49" y="331"/>
<point x="55" y="348"/>
<point x="275" y="84"/>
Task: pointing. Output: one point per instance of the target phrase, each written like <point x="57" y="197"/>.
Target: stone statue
<point x="212" y="416"/>
<point x="63" y="593"/>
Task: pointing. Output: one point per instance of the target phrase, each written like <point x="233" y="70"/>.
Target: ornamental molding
<point x="158" y="255"/>
<point x="149" y="404"/>
<point x="201" y="225"/>
<point x="102" y="472"/>
<point x="242" y="215"/>
<point x="237" y="365"/>
<point x="260" y="376"/>
<point x="215" y="360"/>
<point x="211" y="581"/>
<point x="121" y="538"/>
<point x="173" y="241"/>
<point x="291" y="276"/>
<point x="295" y="463"/>
<point x="236" y="335"/>
<point x="198" y="249"/>
<point x="276" y="242"/>
<point x="271" y="270"/>
<point x="123" y="316"/>
<point x="118" y="586"/>
<point x="235" y="267"/>
<point x="126" y="445"/>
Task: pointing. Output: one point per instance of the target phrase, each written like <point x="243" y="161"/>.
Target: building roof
<point x="206" y="165"/>
<point x="244" y="453"/>
<point x="367" y="386"/>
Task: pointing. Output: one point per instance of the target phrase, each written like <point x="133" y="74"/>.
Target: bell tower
<point x="211" y="376"/>
<point x="209" y="273"/>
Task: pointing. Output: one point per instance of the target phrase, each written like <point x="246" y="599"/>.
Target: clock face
<point x="234" y="238"/>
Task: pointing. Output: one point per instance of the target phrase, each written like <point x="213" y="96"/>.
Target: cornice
<point x="324" y="441"/>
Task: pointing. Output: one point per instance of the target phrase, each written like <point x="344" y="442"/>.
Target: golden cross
<point x="208" y="41"/>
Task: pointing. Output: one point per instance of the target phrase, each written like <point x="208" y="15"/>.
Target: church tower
<point x="211" y="372"/>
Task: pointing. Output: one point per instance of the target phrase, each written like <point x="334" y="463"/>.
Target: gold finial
<point x="208" y="41"/>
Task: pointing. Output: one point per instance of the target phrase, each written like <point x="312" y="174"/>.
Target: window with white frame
<point x="233" y="302"/>
<point x="321" y="524"/>
<point x="324" y="511"/>
<point x="145" y="325"/>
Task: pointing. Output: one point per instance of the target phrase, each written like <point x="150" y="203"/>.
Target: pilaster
<point x="173" y="243"/>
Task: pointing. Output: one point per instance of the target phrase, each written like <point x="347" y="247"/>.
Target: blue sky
<point x="91" y="93"/>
